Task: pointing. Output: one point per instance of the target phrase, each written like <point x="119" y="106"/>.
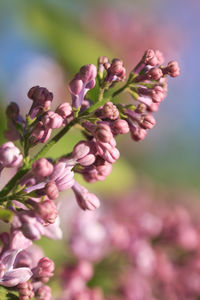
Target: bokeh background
<point x="45" y="42"/>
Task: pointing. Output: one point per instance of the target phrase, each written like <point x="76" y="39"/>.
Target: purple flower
<point x="10" y="276"/>
<point x="63" y="176"/>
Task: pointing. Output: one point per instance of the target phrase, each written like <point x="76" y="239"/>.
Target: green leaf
<point x="5" y="294"/>
<point x="6" y="215"/>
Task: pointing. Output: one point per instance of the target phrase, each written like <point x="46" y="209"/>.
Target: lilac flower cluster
<point x="147" y="251"/>
<point x="29" y="200"/>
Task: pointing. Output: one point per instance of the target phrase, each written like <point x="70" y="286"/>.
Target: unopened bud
<point x="102" y="60"/>
<point x="51" y="190"/>
<point x="75" y="86"/>
<point x="150" y="57"/>
<point x="139" y="134"/>
<point x="12" y="111"/>
<point x="47" y="211"/>
<point x="52" y="120"/>
<point x="40" y="94"/>
<point x="88" y="73"/>
<point x="85" y="199"/>
<point x="64" y="110"/>
<point x="110" y="111"/>
<point x="44" y="293"/>
<point x="103" y="133"/>
<point x="148" y="122"/>
<point x="42" y="167"/>
<point x="44" y="269"/>
<point x="154" y="74"/>
<point x="120" y="126"/>
<point x="172" y="69"/>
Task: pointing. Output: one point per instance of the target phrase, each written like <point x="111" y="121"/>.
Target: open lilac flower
<point x="9" y="275"/>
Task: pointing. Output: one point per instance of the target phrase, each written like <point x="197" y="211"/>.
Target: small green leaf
<point x="30" y="121"/>
<point x="131" y="107"/>
<point x="6" y="215"/>
<point x="6" y="294"/>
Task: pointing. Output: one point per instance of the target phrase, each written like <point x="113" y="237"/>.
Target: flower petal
<point x="16" y="276"/>
<point x="8" y="258"/>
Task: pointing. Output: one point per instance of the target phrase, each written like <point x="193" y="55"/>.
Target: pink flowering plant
<point x="29" y="201"/>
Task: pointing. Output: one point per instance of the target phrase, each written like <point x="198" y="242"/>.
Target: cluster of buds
<point x="23" y="266"/>
<point x="115" y="70"/>
<point x="31" y="195"/>
<point x="40" y="121"/>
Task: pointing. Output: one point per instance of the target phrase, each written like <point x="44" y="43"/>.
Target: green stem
<point x="117" y="92"/>
<point x="8" y="187"/>
<point x="101" y="92"/>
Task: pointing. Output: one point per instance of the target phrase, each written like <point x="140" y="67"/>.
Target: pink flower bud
<point x="116" y="66"/>
<point x="172" y="69"/>
<point x="150" y="57"/>
<point x="38" y="131"/>
<point x="148" y="122"/>
<point x="110" y="111"/>
<point x="12" y="111"/>
<point x="10" y="155"/>
<point x="44" y="293"/>
<point x="102" y="60"/>
<point x="82" y="154"/>
<point x="64" y="110"/>
<point x="87" y="160"/>
<point x="51" y="190"/>
<point x="103" y="133"/>
<point x="41" y="95"/>
<point x="120" y="126"/>
<point x="52" y="120"/>
<point x="25" y="291"/>
<point x="138" y="134"/>
<point x="81" y="150"/>
<point x="42" y="167"/>
<point x="47" y="211"/>
<point x="107" y="65"/>
<point x="75" y="86"/>
<point x="85" y="199"/>
<point x="154" y="74"/>
<point x="88" y="73"/>
<point x="158" y="94"/>
<point x="116" y="71"/>
<point x="153" y="107"/>
<point x="44" y="269"/>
